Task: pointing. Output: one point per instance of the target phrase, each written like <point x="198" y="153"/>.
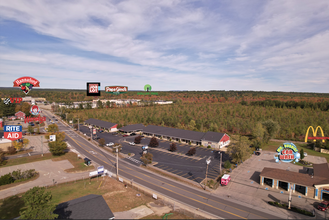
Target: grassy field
<point x="115" y="194"/>
<point x="272" y="146"/>
<point x="19" y="152"/>
<point x="72" y="157"/>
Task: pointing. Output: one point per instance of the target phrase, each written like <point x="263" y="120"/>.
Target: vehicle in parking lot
<point x="305" y="154"/>
<point x="132" y="134"/>
<point x="56" y="119"/>
<point x="132" y="143"/>
<point x="323" y="206"/>
<point x="96" y="138"/>
<point x="110" y="144"/>
<point x="126" y="135"/>
<point x="257" y="153"/>
<point x="114" y="133"/>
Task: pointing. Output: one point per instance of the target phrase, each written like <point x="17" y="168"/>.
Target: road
<point x="203" y="200"/>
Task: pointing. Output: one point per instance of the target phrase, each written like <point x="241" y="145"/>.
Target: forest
<point x="234" y="112"/>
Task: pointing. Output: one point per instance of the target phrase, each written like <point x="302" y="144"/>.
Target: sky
<point x="205" y="45"/>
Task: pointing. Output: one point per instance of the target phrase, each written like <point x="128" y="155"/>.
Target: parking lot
<point x="189" y="167"/>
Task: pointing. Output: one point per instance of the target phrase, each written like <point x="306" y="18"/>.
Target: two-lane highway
<point x="197" y="198"/>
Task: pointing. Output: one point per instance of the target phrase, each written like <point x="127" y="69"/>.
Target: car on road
<point x="323" y="206"/>
<point x="96" y="138"/>
<point x="126" y="135"/>
<point x="114" y="133"/>
<point x="110" y="144"/>
<point x="132" y="143"/>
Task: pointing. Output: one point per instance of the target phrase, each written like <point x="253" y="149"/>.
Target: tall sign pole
<point x="117" y="165"/>
<point x="78" y="125"/>
<point x="208" y="162"/>
<point x="220" y="163"/>
<point x="41" y="146"/>
<point x="289" y="198"/>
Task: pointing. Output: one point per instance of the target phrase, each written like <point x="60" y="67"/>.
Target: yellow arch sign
<point x="314" y="133"/>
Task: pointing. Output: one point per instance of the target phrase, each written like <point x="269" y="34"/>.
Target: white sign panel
<point x="94" y="173"/>
<point x="71" y="122"/>
<point x="52" y="138"/>
<point x="94" y="131"/>
<point x="155" y="196"/>
<point x="120" y="179"/>
<point x="100" y="170"/>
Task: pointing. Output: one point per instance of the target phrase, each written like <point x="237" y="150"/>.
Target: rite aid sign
<point x="12" y="132"/>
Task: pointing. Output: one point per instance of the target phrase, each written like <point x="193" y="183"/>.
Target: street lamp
<point x="208" y="162"/>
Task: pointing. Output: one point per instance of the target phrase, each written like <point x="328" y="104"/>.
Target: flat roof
<point x="133" y="127"/>
<point x="100" y="123"/>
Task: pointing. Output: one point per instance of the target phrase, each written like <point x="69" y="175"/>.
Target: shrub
<point x="191" y="151"/>
<point x="209" y="146"/>
<point x="11" y="150"/>
<point x="172" y="147"/>
<point x="179" y="141"/>
<point x="227" y="164"/>
<point x="189" y="143"/>
<point x="6" y="179"/>
<point x="138" y="140"/>
<point x="129" y="154"/>
<point x="302" y="154"/>
<point x="153" y="142"/>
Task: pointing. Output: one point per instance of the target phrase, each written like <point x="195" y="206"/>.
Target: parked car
<point x="56" y="119"/>
<point x="132" y="134"/>
<point x="126" y="135"/>
<point x="257" y="153"/>
<point x="114" y="133"/>
<point x="323" y="206"/>
<point x="132" y="143"/>
<point x="305" y="154"/>
<point x="110" y="144"/>
<point x="96" y="138"/>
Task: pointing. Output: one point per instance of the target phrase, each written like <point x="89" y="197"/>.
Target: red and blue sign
<point x="12" y="132"/>
<point x="287" y="153"/>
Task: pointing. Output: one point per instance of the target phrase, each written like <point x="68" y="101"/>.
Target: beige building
<point x="4" y="144"/>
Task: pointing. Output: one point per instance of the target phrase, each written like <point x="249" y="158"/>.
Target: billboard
<point x="287" y="153"/>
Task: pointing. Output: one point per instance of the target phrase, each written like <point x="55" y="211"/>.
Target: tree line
<point x="323" y="105"/>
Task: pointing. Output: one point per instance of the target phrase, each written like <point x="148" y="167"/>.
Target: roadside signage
<point x="12" y="132"/>
<point x="116" y="90"/>
<point x="287" y="153"/>
<point x="94" y="131"/>
<point x="52" y="138"/>
<point x="120" y="179"/>
<point x="100" y="170"/>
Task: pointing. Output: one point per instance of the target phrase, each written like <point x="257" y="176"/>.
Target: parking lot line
<point x="179" y="172"/>
<point x="169" y="169"/>
<point x="184" y="174"/>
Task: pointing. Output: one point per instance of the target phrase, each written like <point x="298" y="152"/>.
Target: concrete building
<point x="313" y="183"/>
<point x="99" y="124"/>
<point x="132" y="128"/>
<point x="4" y="143"/>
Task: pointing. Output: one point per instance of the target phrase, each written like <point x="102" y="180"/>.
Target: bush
<point x="227" y="164"/>
<point x="2" y="158"/>
<point x="189" y="143"/>
<point x="209" y="146"/>
<point x="6" y="179"/>
<point x="11" y="150"/>
<point x="172" y="147"/>
<point x="191" y="151"/>
<point x="129" y="154"/>
<point x="138" y="140"/>
<point x="153" y="142"/>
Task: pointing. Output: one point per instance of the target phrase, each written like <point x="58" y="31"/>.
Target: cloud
<point x="183" y="42"/>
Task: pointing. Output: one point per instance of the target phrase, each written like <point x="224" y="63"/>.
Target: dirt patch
<point x="119" y="198"/>
<point x="158" y="209"/>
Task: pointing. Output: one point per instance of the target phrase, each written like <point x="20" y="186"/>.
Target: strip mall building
<point x="313" y="183"/>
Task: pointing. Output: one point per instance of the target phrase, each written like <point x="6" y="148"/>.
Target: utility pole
<point x="208" y="162"/>
<point x="78" y="125"/>
<point x="289" y="198"/>
<point x="41" y="146"/>
<point x="220" y="163"/>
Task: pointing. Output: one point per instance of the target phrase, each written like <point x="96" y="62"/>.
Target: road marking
<point x="170" y="185"/>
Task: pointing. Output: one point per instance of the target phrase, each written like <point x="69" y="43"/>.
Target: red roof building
<point x="20" y="115"/>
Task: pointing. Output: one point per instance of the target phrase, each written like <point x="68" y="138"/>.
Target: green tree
<point x="227" y="164"/>
<point x="272" y="129"/>
<point x="53" y="128"/>
<point x="30" y="129"/>
<point x="2" y="157"/>
<point x="147" y="158"/>
<point x="239" y="149"/>
<point x="81" y="106"/>
<point x="99" y="104"/>
<point x="191" y="125"/>
<point x="26" y="142"/>
<point x="101" y="142"/>
<point x="302" y="154"/>
<point x="57" y="147"/>
<point x="38" y="204"/>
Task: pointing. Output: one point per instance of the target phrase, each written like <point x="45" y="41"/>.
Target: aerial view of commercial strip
<point x="88" y="165"/>
<point x="164" y="109"/>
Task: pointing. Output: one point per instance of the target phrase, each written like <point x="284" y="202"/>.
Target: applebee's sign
<point x="116" y="90"/>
